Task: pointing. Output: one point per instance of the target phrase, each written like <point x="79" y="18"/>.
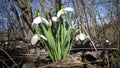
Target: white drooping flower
<point x="35" y="39"/>
<point x="55" y="19"/>
<point x="67" y="9"/>
<point x="38" y="20"/>
<point x="61" y="12"/>
<point x="81" y="36"/>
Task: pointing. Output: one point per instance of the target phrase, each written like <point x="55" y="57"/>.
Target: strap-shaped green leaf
<point x="51" y="40"/>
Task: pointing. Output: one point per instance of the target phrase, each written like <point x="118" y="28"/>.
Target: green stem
<point x="37" y="32"/>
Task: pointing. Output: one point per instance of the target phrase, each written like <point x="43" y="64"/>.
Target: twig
<point x="9" y="57"/>
<point x="48" y="65"/>
<point x="66" y="64"/>
<point x="4" y="63"/>
<point x="13" y="66"/>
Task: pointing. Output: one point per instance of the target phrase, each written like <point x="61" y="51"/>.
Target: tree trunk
<point x="26" y="18"/>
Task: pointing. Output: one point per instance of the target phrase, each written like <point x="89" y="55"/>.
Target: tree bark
<point x="26" y="16"/>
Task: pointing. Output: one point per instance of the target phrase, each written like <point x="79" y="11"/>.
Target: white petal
<point x="45" y="21"/>
<point x="69" y="9"/>
<point x="50" y="22"/>
<point x="6" y="42"/>
<point x="107" y="41"/>
<point x="43" y="37"/>
<point x="55" y="19"/>
<point x="37" y="20"/>
<point x="77" y="38"/>
<point x="82" y="37"/>
<point x="59" y="13"/>
<point x="34" y="39"/>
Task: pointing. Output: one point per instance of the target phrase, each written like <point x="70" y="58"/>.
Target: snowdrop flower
<point x="67" y="9"/>
<point x="38" y="20"/>
<point x="61" y="12"/>
<point x="55" y="19"/>
<point x="81" y="36"/>
<point x="106" y="41"/>
<point x="35" y="39"/>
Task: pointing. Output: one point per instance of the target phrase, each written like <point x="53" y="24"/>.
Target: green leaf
<point x="66" y="44"/>
<point x="51" y="41"/>
<point x="58" y="43"/>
